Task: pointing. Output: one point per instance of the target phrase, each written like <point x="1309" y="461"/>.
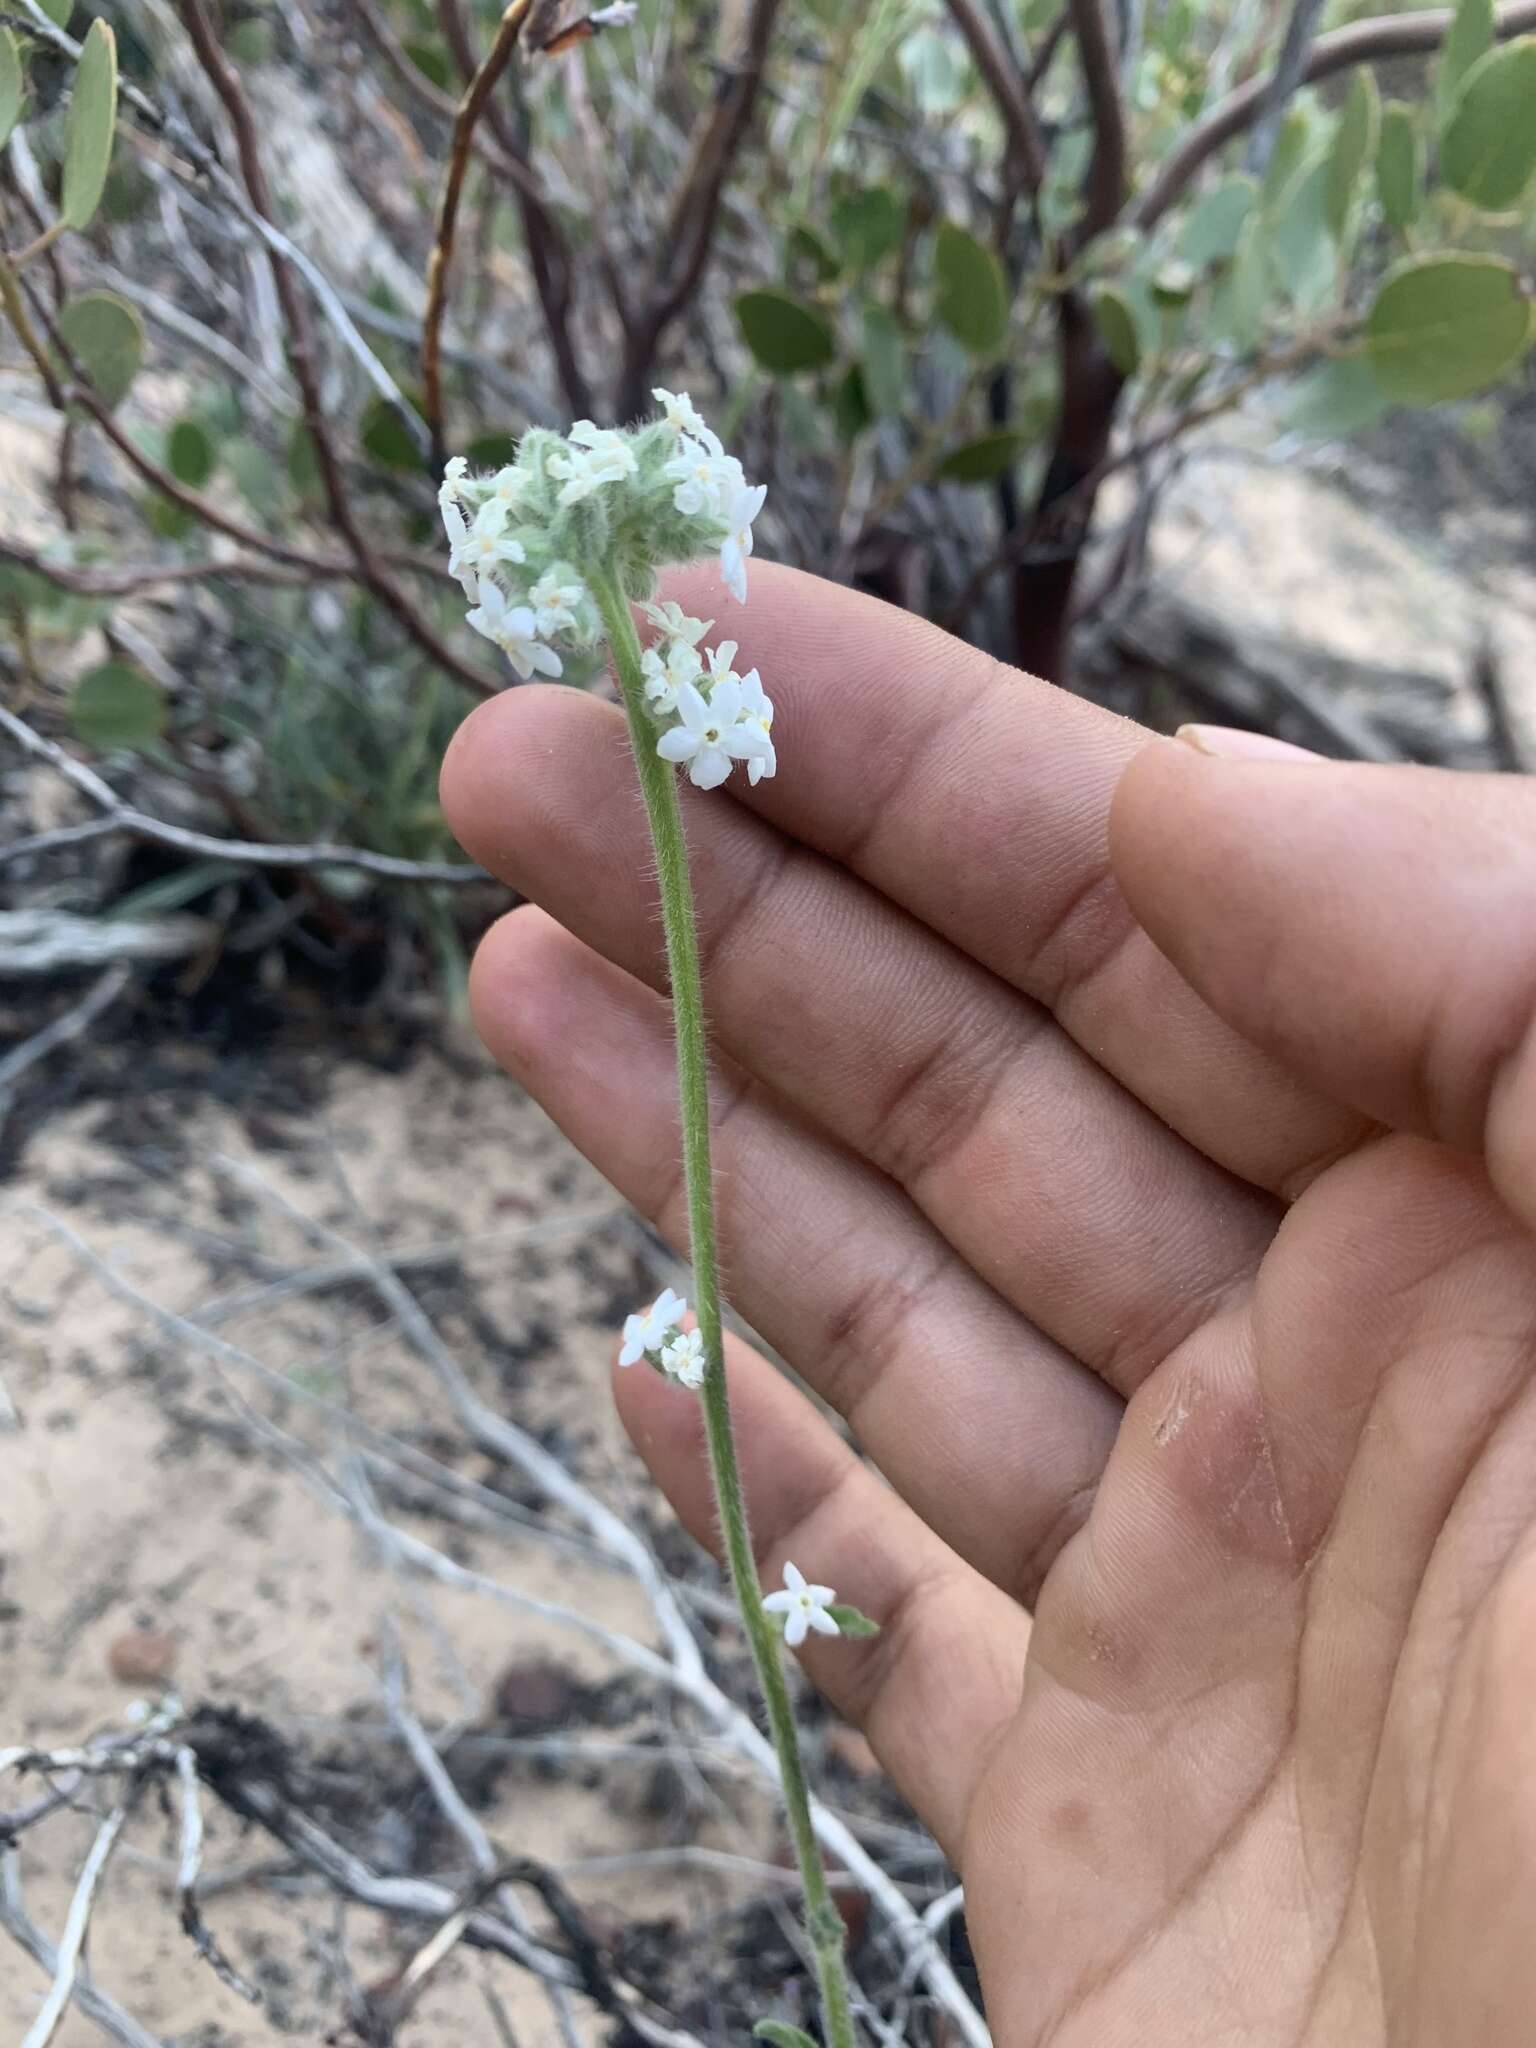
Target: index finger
<point x="978" y="798"/>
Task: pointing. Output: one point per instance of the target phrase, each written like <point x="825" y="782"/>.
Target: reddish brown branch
<point x="301" y="354"/>
<point x="682" y="249"/>
<point x="1364" y="42"/>
<point x="548" y="251"/>
<point x="1006" y="84"/>
<point x="1105" y="190"/>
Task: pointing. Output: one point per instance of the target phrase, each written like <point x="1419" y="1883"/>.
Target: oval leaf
<point x="1116" y="323"/>
<point x="58" y="11"/>
<point x="106" y="338"/>
<point x="972" y="293"/>
<point x="1489" y="149"/>
<point x="12" y="85"/>
<point x="985" y="459"/>
<point x="1303" y="248"/>
<point x="1469" y="36"/>
<point x="117" y="706"/>
<point x="387" y="438"/>
<point x="88" y="131"/>
<point x="1338" y="397"/>
<point x="885" y="365"/>
<point x="852" y="412"/>
<point x="1446" y="326"/>
<point x="1240" y="295"/>
<point x="1399" y="165"/>
<point x="784" y="334"/>
<point x="1354" y="145"/>
<point x="1211" y="233"/>
<point x="867" y="225"/>
<point x="189" y="454"/>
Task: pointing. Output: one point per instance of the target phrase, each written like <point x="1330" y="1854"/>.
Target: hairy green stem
<point x="658" y="786"/>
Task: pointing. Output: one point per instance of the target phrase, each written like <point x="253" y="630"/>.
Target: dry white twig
<point x="101" y="2010"/>
<point x="67" y="1962"/>
<point x="251" y="853"/>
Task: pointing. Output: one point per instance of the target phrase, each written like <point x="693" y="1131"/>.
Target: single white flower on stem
<point x="683" y="1359"/>
<point x="684" y="417"/>
<point x="712" y="734"/>
<point x="485" y="546"/>
<point x="803" y="1607"/>
<point x="742" y="507"/>
<point x="757" y="709"/>
<point x="514" y="630"/>
<point x="651" y="1328"/>
<point x="593" y="456"/>
<point x="674" y="622"/>
<point x="666" y="668"/>
<point x="705" y="477"/>
<point x="554" y="602"/>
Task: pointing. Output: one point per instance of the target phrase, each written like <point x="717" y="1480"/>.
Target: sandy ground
<point x="134" y="1505"/>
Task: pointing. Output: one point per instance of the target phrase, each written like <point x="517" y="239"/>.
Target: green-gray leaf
<point x="1303" y="249"/>
<point x="1240" y="296"/>
<point x="1488" y="151"/>
<point x="1353" y="147"/>
<point x="106" y="338"/>
<point x="867" y="225"/>
<point x="1399" y="165"/>
<point x="189" y="453"/>
<point x="88" y="131"/>
<point x="983" y="460"/>
<point x="1337" y="397"/>
<point x="852" y="412"/>
<point x="885" y="364"/>
<point x="972" y="293"/>
<point x="117" y="706"/>
<point x="851" y="1622"/>
<point x="1470" y="34"/>
<point x="13" y="86"/>
<point x="1211" y="233"/>
<point x="784" y="334"/>
<point x="58" y="11"/>
<point x="779" y="2034"/>
<point x="1116" y="323"/>
<point x="1446" y="326"/>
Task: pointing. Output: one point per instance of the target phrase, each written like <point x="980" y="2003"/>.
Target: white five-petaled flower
<point x="803" y="1607"/>
<point x="684" y="417"/>
<point x="712" y="733"/>
<point x="593" y="456"/>
<point x="514" y="629"/>
<point x="757" y="709"/>
<point x="675" y="622"/>
<point x="554" y="603"/>
<point x="704" y="476"/>
<point x="484" y="546"/>
<point x="666" y="668"/>
<point x="653" y="1327"/>
<point x="509" y="486"/>
<point x="683" y="1359"/>
<point x="743" y="506"/>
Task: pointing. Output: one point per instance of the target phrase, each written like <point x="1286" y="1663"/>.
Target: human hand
<point x="1139" y="1149"/>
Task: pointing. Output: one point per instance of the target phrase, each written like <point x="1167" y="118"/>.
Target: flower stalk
<point x="658" y="787"/>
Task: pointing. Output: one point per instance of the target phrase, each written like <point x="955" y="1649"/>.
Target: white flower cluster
<point x="536" y="544"/>
<point x="481" y="516"/>
<point x="657" y="1335"/>
<point x="709" y="483"/>
<point x="712" y="717"/>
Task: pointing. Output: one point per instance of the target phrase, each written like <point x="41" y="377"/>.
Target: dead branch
<point x="101" y="2010"/>
<point x="125" y="817"/>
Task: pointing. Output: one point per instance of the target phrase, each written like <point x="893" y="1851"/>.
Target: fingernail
<point x="1234" y="744"/>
